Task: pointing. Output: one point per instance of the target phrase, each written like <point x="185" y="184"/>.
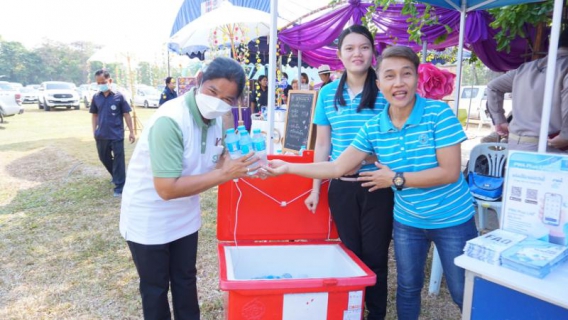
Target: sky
<point x="143" y="26"/>
<point x="99" y="21"/>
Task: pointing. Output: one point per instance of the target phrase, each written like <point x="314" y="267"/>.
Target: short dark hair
<point x="563" y="40"/>
<point x="261" y="77"/>
<point x="285" y="75"/>
<point x="399" y="52"/>
<point x="102" y="72"/>
<point x="168" y="80"/>
<point x="226" y="68"/>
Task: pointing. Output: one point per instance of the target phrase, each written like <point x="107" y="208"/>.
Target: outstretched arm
<point x="347" y="161"/>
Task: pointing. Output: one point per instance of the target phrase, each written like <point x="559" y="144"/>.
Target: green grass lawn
<point x="62" y="255"/>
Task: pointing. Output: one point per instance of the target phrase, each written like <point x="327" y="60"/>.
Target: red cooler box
<point x="278" y="260"/>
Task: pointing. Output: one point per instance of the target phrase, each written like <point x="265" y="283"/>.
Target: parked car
<point x="10" y="101"/>
<point x="58" y="94"/>
<point x="476" y="97"/>
<point x="29" y="95"/>
<point x="147" y="97"/>
<point x="86" y="92"/>
<point x="16" y="85"/>
<point x="93" y="88"/>
<point x="122" y="90"/>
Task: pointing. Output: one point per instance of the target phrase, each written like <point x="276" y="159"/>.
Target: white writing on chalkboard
<point x="299" y="119"/>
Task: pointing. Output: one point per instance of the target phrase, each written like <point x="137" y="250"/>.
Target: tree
<point x="12" y="60"/>
<point x="69" y="62"/>
<point x="511" y="21"/>
<point x="145" y="71"/>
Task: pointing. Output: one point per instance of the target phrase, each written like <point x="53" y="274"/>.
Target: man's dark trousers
<point x="111" y="154"/>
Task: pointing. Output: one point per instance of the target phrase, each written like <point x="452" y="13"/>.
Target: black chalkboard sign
<point x="298" y="133"/>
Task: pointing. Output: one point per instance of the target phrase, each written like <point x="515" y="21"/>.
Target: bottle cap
<point x="256" y="131"/>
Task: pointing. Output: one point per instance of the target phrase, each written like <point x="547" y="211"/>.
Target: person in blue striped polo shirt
<point x="363" y="219"/>
<point x="417" y="143"/>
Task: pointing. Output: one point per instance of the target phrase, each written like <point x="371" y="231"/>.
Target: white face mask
<point x="211" y="107"/>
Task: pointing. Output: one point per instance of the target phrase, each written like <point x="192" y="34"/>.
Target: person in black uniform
<point x="259" y="98"/>
<point x="109" y="112"/>
<point x="169" y="92"/>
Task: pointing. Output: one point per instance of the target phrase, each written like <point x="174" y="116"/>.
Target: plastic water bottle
<point x="259" y="144"/>
<point x="232" y="143"/>
<point x="246" y="146"/>
<point x="302" y="149"/>
<point x="263" y="112"/>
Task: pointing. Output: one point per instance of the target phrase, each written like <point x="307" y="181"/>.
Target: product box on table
<point x="534" y="257"/>
<point x="280" y="261"/>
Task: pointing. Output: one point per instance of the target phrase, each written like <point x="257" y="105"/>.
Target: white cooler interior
<point x="290" y="261"/>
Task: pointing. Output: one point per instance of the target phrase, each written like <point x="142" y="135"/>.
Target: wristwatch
<point x="399" y="181"/>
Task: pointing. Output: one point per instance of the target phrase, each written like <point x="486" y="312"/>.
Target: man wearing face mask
<point x="109" y="111"/>
<point x="179" y="155"/>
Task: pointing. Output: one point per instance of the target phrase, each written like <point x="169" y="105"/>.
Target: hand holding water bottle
<point x="240" y="167"/>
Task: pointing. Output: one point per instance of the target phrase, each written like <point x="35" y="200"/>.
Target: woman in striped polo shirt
<point x="363" y="218"/>
<point x="417" y="142"/>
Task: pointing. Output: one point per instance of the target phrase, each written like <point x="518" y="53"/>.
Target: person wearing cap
<point x="324" y="73"/>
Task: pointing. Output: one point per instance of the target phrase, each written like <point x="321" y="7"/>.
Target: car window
<point x="150" y="91"/>
<point x="5" y="86"/>
<point x="469" y="93"/>
<point x="56" y="86"/>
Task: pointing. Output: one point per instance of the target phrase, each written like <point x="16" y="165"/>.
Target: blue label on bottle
<point x="233" y="147"/>
<point x="245" y="148"/>
<point x="260" y="145"/>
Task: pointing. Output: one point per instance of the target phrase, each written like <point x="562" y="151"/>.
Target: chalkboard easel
<point x="299" y="128"/>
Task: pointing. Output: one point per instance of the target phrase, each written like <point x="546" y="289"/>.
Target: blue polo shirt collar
<point x="385" y="123"/>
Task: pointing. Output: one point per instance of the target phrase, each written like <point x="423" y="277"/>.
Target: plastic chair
<point x="496" y="157"/>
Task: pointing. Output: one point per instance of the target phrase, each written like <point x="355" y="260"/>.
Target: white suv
<point x="10" y="101"/>
<point x="58" y="94"/>
<point x="474" y="100"/>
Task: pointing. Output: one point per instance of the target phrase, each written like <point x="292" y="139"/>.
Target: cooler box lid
<point x="273" y="209"/>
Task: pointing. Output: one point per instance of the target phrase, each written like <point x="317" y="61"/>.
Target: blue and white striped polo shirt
<point x="345" y="122"/>
<point x="431" y="125"/>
